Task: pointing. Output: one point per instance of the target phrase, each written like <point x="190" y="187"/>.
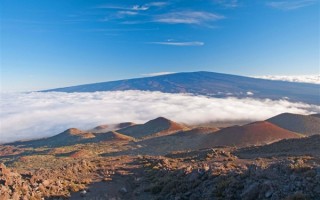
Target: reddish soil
<point x="256" y="133"/>
<point x="159" y="126"/>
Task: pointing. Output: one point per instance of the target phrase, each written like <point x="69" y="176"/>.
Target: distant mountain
<point x="304" y="124"/>
<point x="210" y="84"/>
<point x="156" y="127"/>
<point x="256" y="133"/>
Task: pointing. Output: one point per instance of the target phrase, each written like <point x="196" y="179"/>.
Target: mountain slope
<point x="210" y="84"/>
<point x="68" y="137"/>
<point x="256" y="133"/>
<point x="111" y="136"/>
<point x="304" y="124"/>
<point x="179" y="141"/>
<point x="73" y="136"/>
<point x="176" y="141"/>
<point x="302" y="146"/>
<point x="159" y="126"/>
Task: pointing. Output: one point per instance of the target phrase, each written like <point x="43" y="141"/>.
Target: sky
<point x="55" y="43"/>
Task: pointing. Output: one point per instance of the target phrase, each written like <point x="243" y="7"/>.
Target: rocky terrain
<point x="162" y="159"/>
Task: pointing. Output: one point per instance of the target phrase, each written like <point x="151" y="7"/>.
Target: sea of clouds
<point x="315" y="79"/>
<point x="37" y="115"/>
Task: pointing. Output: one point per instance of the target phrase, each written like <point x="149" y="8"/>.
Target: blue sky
<point x="54" y="43"/>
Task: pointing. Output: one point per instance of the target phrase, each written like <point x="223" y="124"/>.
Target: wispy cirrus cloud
<point x="122" y="30"/>
<point x="227" y="3"/>
<point x="291" y="4"/>
<point x="139" y="7"/>
<point x="187" y="17"/>
<point x="170" y="43"/>
<point x="135" y="7"/>
<point x="157" y="4"/>
<point x="145" y="14"/>
<point x="127" y="12"/>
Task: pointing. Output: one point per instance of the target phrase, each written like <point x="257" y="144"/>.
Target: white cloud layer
<point x="36" y="115"/>
<point x="300" y="79"/>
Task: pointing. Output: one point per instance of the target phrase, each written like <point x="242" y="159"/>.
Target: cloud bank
<point x="300" y="79"/>
<point x="36" y="115"/>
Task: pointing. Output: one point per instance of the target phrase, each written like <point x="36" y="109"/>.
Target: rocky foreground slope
<point x="204" y="174"/>
<point x="172" y="163"/>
